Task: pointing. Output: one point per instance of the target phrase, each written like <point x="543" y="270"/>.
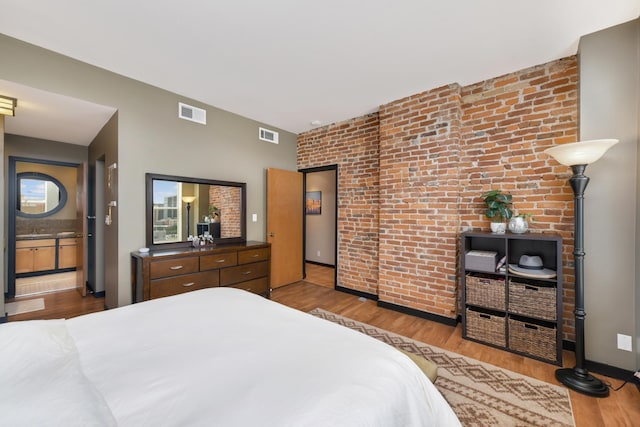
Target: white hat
<point x="531" y="266"/>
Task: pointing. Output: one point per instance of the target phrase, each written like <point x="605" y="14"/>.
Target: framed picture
<point x="314" y="203"/>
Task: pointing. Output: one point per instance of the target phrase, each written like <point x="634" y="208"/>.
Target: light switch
<point x="254" y="217"/>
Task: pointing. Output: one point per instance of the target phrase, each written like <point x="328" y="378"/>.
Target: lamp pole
<point x="579" y="378"/>
<point x="188" y="221"/>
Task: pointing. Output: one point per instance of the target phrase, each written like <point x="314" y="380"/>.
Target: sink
<point x="33" y="236"/>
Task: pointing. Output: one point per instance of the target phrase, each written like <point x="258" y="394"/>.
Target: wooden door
<point x="284" y="225"/>
<point x="81" y="228"/>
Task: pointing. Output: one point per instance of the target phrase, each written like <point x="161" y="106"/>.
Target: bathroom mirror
<point x="39" y="195"/>
<point x="179" y="207"/>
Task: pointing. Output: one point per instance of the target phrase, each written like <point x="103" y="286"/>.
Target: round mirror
<point x="39" y="195"/>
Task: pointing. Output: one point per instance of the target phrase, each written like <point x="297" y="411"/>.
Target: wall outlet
<point x="318" y="253"/>
<point x="624" y="342"/>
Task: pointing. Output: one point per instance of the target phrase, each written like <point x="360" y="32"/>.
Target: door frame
<point x="11" y="214"/>
<point x="333" y="167"/>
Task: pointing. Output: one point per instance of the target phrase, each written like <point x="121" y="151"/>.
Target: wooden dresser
<point x="162" y="273"/>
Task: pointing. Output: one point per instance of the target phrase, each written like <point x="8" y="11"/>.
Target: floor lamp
<point x="578" y="155"/>
<point x="188" y="200"/>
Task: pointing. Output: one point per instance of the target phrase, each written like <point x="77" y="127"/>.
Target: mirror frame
<point x="150" y="177"/>
<point x="62" y="199"/>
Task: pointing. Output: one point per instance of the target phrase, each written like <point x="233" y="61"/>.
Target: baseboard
<point x="601" y="368"/>
<point x="418" y="313"/>
<point x="99" y="294"/>
<point x="357" y="293"/>
<point x="321" y="264"/>
<point x="4" y="318"/>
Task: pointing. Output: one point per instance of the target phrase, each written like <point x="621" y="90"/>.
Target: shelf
<point x="529" y="334"/>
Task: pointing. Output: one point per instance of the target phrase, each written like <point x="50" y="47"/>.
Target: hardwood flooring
<point x="320" y="275"/>
<point x="621" y="408"/>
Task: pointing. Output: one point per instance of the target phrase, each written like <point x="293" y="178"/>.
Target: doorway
<point x="321" y="225"/>
<point x="42" y="226"/>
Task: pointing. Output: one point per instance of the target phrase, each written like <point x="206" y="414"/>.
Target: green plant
<point x="213" y="210"/>
<point x="497" y="205"/>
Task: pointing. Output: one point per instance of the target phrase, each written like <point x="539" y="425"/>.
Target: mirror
<point x="39" y="195"/>
<point x="179" y="207"/>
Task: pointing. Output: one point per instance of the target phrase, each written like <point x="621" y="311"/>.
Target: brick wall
<point x="433" y="154"/>
<point x="227" y="200"/>
<point x="507" y="123"/>
<point x="353" y="146"/>
<point x="419" y="200"/>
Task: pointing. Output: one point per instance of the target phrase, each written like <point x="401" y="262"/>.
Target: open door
<point x="81" y="229"/>
<point x="284" y="225"/>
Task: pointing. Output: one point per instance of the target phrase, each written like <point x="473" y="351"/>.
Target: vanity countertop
<point x="38" y="236"/>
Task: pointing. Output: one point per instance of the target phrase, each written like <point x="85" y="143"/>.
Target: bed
<point x="215" y="357"/>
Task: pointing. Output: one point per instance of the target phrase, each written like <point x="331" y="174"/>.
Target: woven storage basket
<point x="532" y="339"/>
<point x="486" y="327"/>
<point x="485" y="291"/>
<point x="533" y="301"/>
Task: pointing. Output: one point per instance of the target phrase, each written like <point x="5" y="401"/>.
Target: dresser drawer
<point x="185" y="283"/>
<point x="173" y="267"/>
<point x="242" y="273"/>
<point x="253" y="255"/>
<point x="210" y="262"/>
<point x="257" y="286"/>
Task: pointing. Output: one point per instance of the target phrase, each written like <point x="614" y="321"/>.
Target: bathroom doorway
<point x="43" y="226"/>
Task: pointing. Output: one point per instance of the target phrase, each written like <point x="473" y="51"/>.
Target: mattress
<point x="215" y="357"/>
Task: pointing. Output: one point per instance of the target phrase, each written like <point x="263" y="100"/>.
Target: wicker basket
<point x="486" y="327"/>
<point x="532" y="301"/>
<point x="485" y="291"/>
<point x="536" y="340"/>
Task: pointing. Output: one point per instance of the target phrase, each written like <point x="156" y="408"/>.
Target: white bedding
<point x="225" y="357"/>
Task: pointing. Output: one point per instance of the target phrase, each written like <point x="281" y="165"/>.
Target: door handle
<point x="272" y="234"/>
<point x="91" y="217"/>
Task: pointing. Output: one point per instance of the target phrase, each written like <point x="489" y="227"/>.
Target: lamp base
<point x="582" y="382"/>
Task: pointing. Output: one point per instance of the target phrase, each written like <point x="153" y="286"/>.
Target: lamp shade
<point x="580" y="153"/>
<point x="188" y="199"/>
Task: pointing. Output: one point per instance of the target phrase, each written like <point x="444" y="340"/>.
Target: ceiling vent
<point x="268" y="135"/>
<point x="191" y="113"/>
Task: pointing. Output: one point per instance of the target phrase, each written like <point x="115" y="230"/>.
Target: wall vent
<point x="268" y="135"/>
<point x="191" y="113"/>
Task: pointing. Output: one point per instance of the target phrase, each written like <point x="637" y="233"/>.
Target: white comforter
<point x="225" y="357"/>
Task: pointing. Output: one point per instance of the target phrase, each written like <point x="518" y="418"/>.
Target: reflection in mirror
<point x="179" y="207"/>
<point x="39" y="195"/>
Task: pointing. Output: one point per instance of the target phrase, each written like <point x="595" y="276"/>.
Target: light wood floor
<point x="621" y="408"/>
<point x="320" y="275"/>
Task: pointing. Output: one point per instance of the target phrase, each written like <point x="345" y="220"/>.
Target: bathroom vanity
<point x="36" y="253"/>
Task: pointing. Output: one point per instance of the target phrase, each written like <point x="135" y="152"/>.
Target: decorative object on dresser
<point x="497" y="209"/>
<point x="157" y="274"/>
<point x="578" y="155"/>
<point x="518" y="223"/>
<point x="518" y="309"/>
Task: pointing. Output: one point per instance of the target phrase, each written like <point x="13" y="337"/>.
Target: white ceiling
<point x="289" y="62"/>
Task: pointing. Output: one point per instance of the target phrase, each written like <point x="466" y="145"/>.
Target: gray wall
<point x="4" y="227"/>
<point x="609" y="108"/>
<point x="152" y="139"/>
<point x="321" y="229"/>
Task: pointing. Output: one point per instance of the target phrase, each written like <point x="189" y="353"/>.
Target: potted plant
<point x="214" y="213"/>
<point x="498" y="209"/>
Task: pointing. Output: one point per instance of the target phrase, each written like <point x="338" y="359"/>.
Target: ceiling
<point x="287" y="63"/>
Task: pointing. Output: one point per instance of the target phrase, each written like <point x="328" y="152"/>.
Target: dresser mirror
<point x="179" y="207"/>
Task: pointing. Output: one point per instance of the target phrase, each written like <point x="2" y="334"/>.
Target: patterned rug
<point x="479" y="393"/>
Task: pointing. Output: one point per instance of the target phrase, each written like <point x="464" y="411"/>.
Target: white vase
<point x="518" y="225"/>
<point x="498" y="227"/>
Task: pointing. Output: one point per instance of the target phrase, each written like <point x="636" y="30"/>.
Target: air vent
<point x="191" y="113"/>
<point x="268" y="135"/>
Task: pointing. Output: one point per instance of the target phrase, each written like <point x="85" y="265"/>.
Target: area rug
<point x="480" y="394"/>
<point x="24" y="306"/>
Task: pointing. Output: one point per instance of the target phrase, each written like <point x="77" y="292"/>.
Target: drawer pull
<point x="485" y="316"/>
<point x="531" y="288"/>
<point x="246" y="272"/>
<point x="255" y="256"/>
<point x="221" y="260"/>
<point x="186" y="285"/>
<point x="176" y="267"/>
